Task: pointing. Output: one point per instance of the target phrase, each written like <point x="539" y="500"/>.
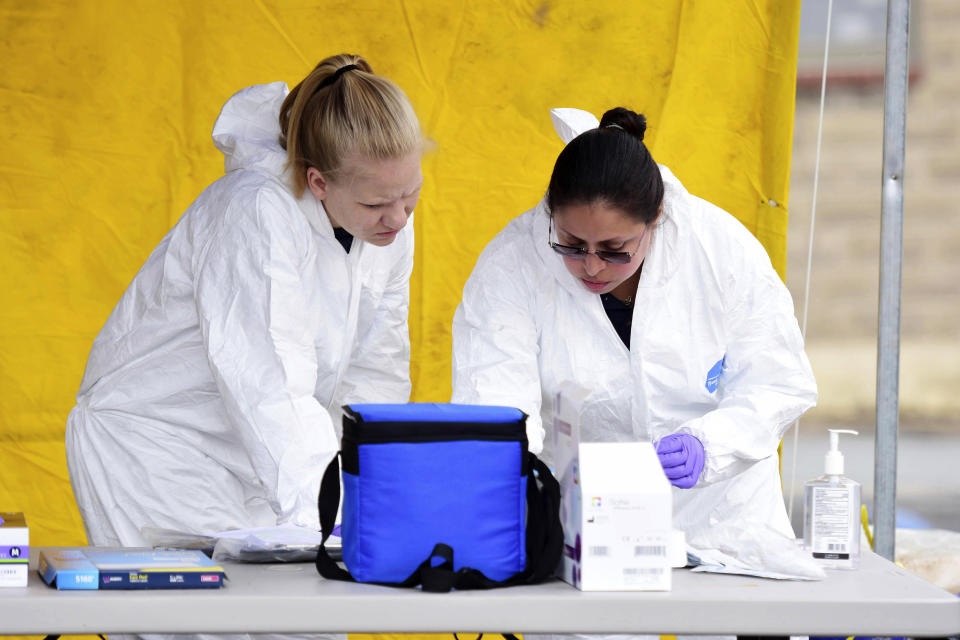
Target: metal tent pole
<point x="891" y="256"/>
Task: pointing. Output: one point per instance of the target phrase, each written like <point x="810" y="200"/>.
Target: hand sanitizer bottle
<point x="831" y="512"/>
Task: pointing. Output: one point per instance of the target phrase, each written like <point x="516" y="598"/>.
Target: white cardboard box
<point x="616" y="508"/>
<point x="14" y="549"/>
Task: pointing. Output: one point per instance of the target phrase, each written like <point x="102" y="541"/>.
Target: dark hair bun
<point x="633" y="123"/>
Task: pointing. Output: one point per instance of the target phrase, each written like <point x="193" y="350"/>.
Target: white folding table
<point x="878" y="599"/>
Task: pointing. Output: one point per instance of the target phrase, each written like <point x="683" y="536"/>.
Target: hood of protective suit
<point x="247" y="131"/>
<point x="569" y="123"/>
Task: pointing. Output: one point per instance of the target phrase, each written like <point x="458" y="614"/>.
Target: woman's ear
<point x="316" y="183"/>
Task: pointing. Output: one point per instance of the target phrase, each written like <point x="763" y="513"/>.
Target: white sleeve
<point x="495" y="341"/>
<point x="379" y="369"/>
<point x="260" y="341"/>
<point x="766" y="381"/>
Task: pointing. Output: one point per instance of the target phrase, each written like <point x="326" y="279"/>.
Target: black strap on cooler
<point x="328" y="501"/>
<point x="436" y="574"/>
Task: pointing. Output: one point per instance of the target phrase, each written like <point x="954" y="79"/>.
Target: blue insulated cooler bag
<point x="440" y="495"/>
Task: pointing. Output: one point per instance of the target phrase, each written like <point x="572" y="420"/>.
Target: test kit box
<point x="67" y="569"/>
<point x="126" y="568"/>
<point x="14" y="549"/>
<point x="616" y="508"/>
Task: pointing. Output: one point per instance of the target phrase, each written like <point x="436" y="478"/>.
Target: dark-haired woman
<point x="211" y="397"/>
<point x="660" y="304"/>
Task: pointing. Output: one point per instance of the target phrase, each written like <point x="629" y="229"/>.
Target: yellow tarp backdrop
<point x="106" y="109"/>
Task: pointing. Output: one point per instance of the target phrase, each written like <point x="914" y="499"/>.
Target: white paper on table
<point x="718" y="568"/>
<point x="715" y="561"/>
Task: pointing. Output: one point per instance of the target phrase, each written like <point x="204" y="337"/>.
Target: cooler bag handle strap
<point x="544" y="531"/>
<point x="328" y="501"/>
<point x="435" y="578"/>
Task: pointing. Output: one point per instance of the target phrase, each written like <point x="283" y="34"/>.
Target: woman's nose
<point x="396" y="218"/>
<point x="592" y="265"/>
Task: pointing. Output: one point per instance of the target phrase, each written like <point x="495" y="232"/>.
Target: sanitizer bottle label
<point x="832" y="507"/>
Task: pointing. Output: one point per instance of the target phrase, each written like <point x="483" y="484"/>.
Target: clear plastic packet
<point x="282" y="543"/>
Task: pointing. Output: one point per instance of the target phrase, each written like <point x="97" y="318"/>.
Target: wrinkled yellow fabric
<point x="105" y="117"/>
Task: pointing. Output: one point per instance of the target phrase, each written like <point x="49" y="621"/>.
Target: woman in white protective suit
<point x="666" y="309"/>
<point x="210" y="400"/>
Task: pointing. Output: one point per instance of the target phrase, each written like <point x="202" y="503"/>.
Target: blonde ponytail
<point x="358" y="111"/>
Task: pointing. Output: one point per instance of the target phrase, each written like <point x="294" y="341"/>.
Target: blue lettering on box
<point x="713" y="376"/>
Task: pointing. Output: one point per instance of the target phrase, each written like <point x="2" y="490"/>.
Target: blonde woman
<point x="211" y="397"/>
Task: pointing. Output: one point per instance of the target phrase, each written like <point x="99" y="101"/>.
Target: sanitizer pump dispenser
<point x="831" y="512"/>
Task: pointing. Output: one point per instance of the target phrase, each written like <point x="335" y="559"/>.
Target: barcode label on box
<point x="643" y="575"/>
<point x="650" y="550"/>
<point x="642" y="571"/>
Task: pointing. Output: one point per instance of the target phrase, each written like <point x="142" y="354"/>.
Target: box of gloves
<point x="616" y="507"/>
<point x="14" y="549"/>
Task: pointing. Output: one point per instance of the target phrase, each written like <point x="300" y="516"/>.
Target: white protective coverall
<point x="708" y="299"/>
<point x="211" y="397"/>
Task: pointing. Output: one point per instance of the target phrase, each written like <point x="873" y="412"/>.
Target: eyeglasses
<point x="579" y="253"/>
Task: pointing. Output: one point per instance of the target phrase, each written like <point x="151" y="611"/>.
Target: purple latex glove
<point x="681" y="456"/>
